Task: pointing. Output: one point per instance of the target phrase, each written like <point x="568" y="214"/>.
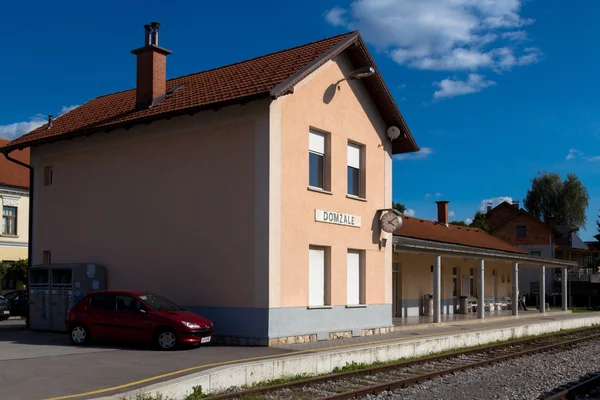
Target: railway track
<point x="362" y="382"/>
<point x="578" y="390"/>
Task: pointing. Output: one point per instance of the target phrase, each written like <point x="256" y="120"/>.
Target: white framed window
<point x="354" y="278"/>
<point x="354" y="172"/>
<point x="317" y="277"/>
<point x="9" y="220"/>
<point x="317" y="174"/>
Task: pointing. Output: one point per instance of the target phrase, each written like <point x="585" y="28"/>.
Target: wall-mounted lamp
<point x="360" y="73"/>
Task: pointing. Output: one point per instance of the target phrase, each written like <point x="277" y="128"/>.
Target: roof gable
<point x="434" y="231"/>
<point x="268" y="76"/>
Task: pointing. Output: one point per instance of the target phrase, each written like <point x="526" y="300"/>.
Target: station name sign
<point x="334" y="217"/>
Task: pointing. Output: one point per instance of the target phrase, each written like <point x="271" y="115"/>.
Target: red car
<point x="135" y="316"/>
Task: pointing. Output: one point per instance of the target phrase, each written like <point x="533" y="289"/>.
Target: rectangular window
<point x="521" y="231"/>
<point x="47" y="176"/>
<point x="316" y="155"/>
<point x="354" y="278"/>
<point x="47" y="257"/>
<point x="535" y="253"/>
<point x="317" y="277"/>
<point x="104" y="302"/>
<point x="9" y="220"/>
<point x="354" y="181"/>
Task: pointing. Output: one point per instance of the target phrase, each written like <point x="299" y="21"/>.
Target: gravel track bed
<point x="530" y="377"/>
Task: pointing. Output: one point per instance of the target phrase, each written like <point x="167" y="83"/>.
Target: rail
<point x="369" y="381"/>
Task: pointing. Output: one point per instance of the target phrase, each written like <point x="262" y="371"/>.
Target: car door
<point x="133" y="323"/>
<point x="102" y="316"/>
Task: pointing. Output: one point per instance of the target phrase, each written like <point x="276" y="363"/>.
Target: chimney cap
<point x="442" y="202"/>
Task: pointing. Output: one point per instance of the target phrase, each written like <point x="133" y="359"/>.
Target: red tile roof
<point x="434" y="231"/>
<point x="12" y="174"/>
<point x="242" y="81"/>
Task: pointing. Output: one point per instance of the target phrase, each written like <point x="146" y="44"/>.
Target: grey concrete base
<point x="325" y="361"/>
<point x="295" y="321"/>
<point x="255" y="326"/>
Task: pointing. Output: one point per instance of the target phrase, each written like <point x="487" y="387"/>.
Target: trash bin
<point x="428" y="305"/>
<point x="464" y="305"/>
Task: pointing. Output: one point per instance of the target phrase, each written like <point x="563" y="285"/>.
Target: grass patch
<point x="584" y="309"/>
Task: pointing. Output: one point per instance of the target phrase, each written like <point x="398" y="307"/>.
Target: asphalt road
<point x="35" y="365"/>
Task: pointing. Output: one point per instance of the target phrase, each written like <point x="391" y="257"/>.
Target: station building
<point x="257" y="194"/>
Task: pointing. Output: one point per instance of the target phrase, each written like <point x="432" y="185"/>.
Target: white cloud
<point x="438" y="194"/>
<point x="451" y="213"/>
<point x="427" y="195"/>
<point x="574" y="153"/>
<point x="335" y="16"/>
<point x="18" y="129"/>
<point x="409" y="212"/>
<point x="13" y="131"/>
<point x="517" y="36"/>
<point x="469" y="221"/>
<point x="421" y="33"/>
<point x="420" y="155"/>
<point x="452" y="87"/>
<point x="66" y="109"/>
<point x="495" y="201"/>
<point x="449" y="35"/>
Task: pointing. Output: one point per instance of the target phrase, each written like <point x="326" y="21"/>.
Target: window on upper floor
<point x="535" y="253"/>
<point x="355" y="176"/>
<point x="9" y="220"/>
<point x="47" y="176"/>
<point x="521" y="231"/>
<point x="317" y="160"/>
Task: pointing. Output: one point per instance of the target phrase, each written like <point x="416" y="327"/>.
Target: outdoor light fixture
<point x="358" y="74"/>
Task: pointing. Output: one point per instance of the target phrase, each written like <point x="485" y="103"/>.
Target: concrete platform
<point x="322" y="357"/>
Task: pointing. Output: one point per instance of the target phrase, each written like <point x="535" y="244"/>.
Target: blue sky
<point x="493" y="91"/>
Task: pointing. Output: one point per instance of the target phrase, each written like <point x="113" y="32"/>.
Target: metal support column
<point x="437" y="290"/>
<point x="515" y="289"/>
<point x="480" y="292"/>
<point x="565" y="294"/>
<point x="542" y="305"/>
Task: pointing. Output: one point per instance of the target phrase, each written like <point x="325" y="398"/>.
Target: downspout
<point x="30" y="234"/>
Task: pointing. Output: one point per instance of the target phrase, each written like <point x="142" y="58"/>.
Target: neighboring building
<point x="14" y="194"/>
<point x="465" y="256"/>
<point x="516" y="226"/>
<point x="248" y="193"/>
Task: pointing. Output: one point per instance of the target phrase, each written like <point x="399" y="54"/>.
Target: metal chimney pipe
<point x="155" y="26"/>
<point x="147" y="30"/>
<point x="49" y="121"/>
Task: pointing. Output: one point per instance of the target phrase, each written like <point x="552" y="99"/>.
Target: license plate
<point x="205" y="339"/>
<point x="8" y="312"/>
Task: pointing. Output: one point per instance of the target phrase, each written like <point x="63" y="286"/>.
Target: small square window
<point x="521" y="231"/>
<point x="47" y="176"/>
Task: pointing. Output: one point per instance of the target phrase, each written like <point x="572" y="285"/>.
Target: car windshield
<point x="158" y="303"/>
<point x="11" y="295"/>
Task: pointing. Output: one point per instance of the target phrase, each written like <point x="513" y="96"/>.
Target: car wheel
<point x="79" y="334"/>
<point x="166" y="339"/>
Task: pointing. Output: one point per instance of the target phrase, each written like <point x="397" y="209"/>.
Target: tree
<point x="459" y="223"/>
<point x="550" y="196"/>
<point x="479" y="222"/>
<point x="17" y="271"/>
<point x="399" y="207"/>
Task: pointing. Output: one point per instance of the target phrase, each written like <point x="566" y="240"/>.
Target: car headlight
<point x="191" y="325"/>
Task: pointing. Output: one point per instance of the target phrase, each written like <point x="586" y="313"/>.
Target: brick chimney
<point x="489" y="207"/>
<point x="442" y="212"/>
<point x="151" y="75"/>
<point x="515" y="204"/>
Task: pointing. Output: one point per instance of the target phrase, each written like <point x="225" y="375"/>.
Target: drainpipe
<point x="30" y="168"/>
